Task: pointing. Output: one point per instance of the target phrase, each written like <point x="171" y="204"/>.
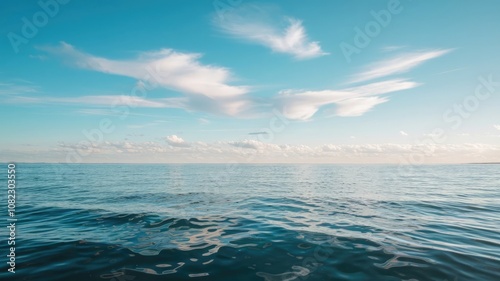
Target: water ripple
<point x="283" y="222"/>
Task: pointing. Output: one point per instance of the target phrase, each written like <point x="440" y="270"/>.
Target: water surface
<point x="257" y="222"/>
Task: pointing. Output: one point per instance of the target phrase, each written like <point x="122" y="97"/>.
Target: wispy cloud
<point x="403" y="133"/>
<point x="16" y="88"/>
<point x="451" y="70"/>
<point x="383" y="87"/>
<point x="357" y="106"/>
<point x="355" y="101"/>
<point x="201" y="84"/>
<point x="206" y="88"/>
<point x="252" y="23"/>
<point x="496" y="127"/>
<point x="110" y="100"/>
<point x="108" y="105"/>
<point x="146" y="125"/>
<point x="203" y="121"/>
<point x="392" y="48"/>
<point x="396" y="65"/>
<point x="107" y="111"/>
<point x="97" y="111"/>
<point x="38" y="57"/>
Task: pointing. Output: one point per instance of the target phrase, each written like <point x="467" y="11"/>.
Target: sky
<point x="236" y="81"/>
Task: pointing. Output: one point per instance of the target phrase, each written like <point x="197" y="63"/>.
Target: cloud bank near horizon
<point x="174" y="149"/>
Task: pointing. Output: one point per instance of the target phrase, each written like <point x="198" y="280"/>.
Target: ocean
<point x="124" y="222"/>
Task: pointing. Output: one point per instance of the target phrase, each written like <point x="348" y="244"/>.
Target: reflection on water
<point x="262" y="222"/>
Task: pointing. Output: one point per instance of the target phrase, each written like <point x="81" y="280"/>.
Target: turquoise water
<point x="257" y="222"/>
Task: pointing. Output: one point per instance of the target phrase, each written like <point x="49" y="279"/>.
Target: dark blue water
<point x="256" y="222"/>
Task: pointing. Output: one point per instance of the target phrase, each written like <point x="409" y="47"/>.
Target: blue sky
<point x="249" y="81"/>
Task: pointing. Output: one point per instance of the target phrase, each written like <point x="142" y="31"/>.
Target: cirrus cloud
<point x="399" y="64"/>
<point x="204" y="87"/>
<point x="355" y="101"/>
<point x="251" y="23"/>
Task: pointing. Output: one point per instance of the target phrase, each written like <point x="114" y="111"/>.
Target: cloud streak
<point x="397" y="65"/>
<point x="17" y="88"/>
<point x="167" y="68"/>
<point x="250" y="24"/>
<point x="206" y="88"/>
<point x="355" y="101"/>
<point x="119" y="100"/>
